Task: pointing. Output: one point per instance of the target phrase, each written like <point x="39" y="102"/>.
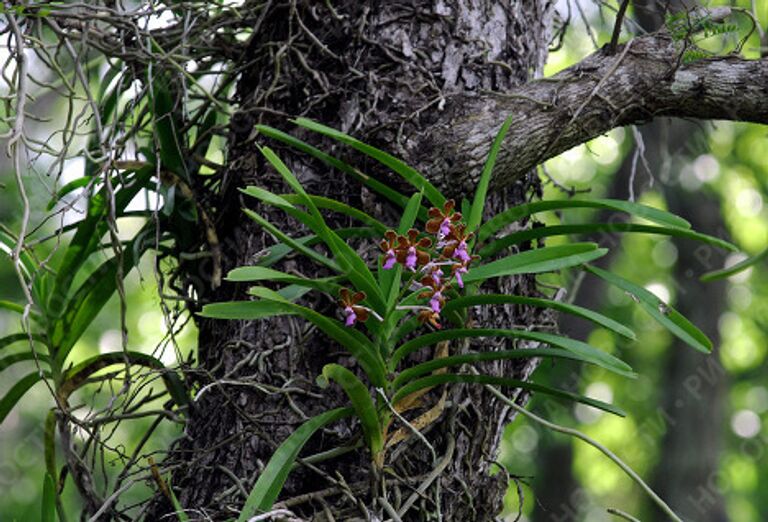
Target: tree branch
<point x="645" y="79"/>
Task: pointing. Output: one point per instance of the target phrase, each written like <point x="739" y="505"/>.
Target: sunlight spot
<point x="73" y="169"/>
<point x="573" y="155"/>
<point x="688" y="179"/>
<point x="597" y="390"/>
<point x="525" y="439"/>
<point x="168" y="356"/>
<point x="722" y="135"/>
<point x="606" y="150"/>
<point x="729" y="324"/>
<point x="757" y="399"/>
<point x="110" y="341"/>
<point x="745" y="424"/>
<point x="741" y="353"/>
<point x="660" y="290"/>
<point x="664" y="254"/>
<point x="706" y="168"/>
<point x="740" y="297"/>
<point x="151" y="325"/>
<point x="749" y="202"/>
<point x="160" y="19"/>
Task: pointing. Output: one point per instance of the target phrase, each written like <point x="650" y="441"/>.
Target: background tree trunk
<point x="565" y="502"/>
<point x="694" y="384"/>
<point x="381" y="71"/>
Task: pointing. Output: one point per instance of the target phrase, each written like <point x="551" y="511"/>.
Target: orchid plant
<point x="421" y="293"/>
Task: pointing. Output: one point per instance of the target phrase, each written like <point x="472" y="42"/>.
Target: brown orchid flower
<point x="441" y="221"/>
<point x="428" y="316"/>
<point x="410" y="250"/>
<point x="352" y="311"/>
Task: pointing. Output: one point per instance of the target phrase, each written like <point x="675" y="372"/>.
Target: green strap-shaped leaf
<point x="19" y="309"/>
<point x="405" y="328"/>
<point x="409" y="374"/>
<point x="503" y="219"/>
<point x="10" y="360"/>
<point x="68" y="188"/>
<point x="408" y="173"/>
<point x="280" y="250"/>
<point x="281" y="297"/>
<point x="735" y="269"/>
<point x="11" y="307"/>
<point x="375" y="185"/>
<point x="245" y="274"/>
<point x="355" y="342"/>
<point x="362" y="345"/>
<point x="481" y="193"/>
<point x="349" y="261"/>
<point x="410" y="213"/>
<point x="245" y="310"/>
<point x="661" y="312"/>
<point x="16" y="392"/>
<point x="293" y="292"/>
<point x="445" y="378"/>
<point x="168" y="126"/>
<point x="361" y="401"/>
<point x="8" y="340"/>
<point x="563" y="230"/>
<point x="266" y="196"/>
<point x="179" y="509"/>
<point x="8" y="244"/>
<point x="271" y="480"/>
<point x="586" y="352"/>
<point x="578" y="311"/>
<point x="48" y="505"/>
<point x="545" y="259"/>
<point x="342" y="208"/>
<point x="292" y="181"/>
<point x="205" y="134"/>
<point x="292" y="243"/>
<point x="49" y="442"/>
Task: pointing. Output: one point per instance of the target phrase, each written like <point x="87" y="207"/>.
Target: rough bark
<point x="379" y="71"/>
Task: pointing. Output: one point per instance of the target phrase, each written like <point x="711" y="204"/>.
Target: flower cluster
<point x="431" y="258"/>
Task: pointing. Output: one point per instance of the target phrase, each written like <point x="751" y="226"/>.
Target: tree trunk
<point x="694" y="384"/>
<point x="383" y="72"/>
<point x="566" y="502"/>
